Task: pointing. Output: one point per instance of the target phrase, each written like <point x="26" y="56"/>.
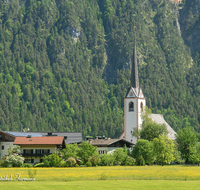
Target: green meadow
<point x="107" y="184"/>
<point x="109" y="172"/>
<point x="115" y="177"/>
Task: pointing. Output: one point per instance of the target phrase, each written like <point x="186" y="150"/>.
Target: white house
<point x="104" y="146"/>
<point x="34" y="148"/>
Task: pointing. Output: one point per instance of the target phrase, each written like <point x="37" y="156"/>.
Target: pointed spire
<point x="134" y="72"/>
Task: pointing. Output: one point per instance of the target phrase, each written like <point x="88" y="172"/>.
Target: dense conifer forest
<point x="65" y="64"/>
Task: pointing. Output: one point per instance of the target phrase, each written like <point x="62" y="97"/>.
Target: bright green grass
<point x="107" y="184"/>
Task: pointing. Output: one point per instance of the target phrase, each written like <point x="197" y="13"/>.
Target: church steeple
<point x="134" y="72"/>
<point x="134" y="102"/>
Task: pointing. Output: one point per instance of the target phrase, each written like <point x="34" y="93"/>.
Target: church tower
<point x="134" y="102"/>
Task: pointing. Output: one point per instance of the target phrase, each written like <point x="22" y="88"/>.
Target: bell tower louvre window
<point x="141" y="106"/>
<point x="131" y="106"/>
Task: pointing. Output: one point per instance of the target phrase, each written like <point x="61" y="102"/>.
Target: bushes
<point x="160" y="151"/>
<point x="143" y="152"/>
<point x="25" y="165"/>
<point x="71" y="150"/>
<point x="39" y="165"/>
<point x="13" y="160"/>
<point x="89" y="164"/>
<point x="129" y="161"/>
<point x="120" y="156"/>
<point x="107" y="160"/>
<point x="95" y="160"/>
<point x="86" y="150"/>
<point x="70" y="162"/>
<point x="1" y="163"/>
<point x="52" y="160"/>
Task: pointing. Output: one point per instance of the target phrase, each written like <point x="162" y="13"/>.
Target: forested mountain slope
<point x="65" y="65"/>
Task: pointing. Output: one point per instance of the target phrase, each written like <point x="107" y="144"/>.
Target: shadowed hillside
<point x="65" y="65"/>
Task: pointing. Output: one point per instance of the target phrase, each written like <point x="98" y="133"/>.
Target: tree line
<point x="152" y="147"/>
<point x="65" y="65"/>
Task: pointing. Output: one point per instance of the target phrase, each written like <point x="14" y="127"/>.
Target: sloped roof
<point x="39" y="140"/>
<point x="98" y="142"/>
<point x="159" y="119"/>
<point x="122" y="135"/>
<point x="137" y="92"/>
<point x="21" y="134"/>
<point x="70" y="137"/>
<point x="134" y="71"/>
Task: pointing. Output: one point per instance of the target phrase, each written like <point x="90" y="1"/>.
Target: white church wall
<point x="140" y="111"/>
<point x="130" y="120"/>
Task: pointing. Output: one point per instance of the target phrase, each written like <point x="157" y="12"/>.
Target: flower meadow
<point x="111" y="173"/>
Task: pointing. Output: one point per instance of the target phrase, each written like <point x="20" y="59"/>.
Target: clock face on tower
<point x="131" y="94"/>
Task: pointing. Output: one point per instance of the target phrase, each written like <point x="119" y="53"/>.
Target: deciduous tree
<point x="164" y="149"/>
<point x="71" y="150"/>
<point x="186" y="138"/>
<point x="143" y="152"/>
<point x="149" y="129"/>
<point x="86" y="150"/>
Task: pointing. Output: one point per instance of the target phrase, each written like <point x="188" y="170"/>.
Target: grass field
<point x="117" y="177"/>
<point x="107" y="184"/>
<point x="112" y="173"/>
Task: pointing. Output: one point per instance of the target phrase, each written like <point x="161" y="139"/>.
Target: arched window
<point x="141" y="106"/>
<point x="131" y="106"/>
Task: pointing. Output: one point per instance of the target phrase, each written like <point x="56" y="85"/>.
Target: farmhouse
<point x="7" y="138"/>
<point x="34" y="148"/>
<point x="106" y="146"/>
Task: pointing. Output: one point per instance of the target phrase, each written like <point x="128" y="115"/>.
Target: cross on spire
<point x="134" y="72"/>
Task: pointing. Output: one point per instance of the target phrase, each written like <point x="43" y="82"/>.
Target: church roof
<point x="122" y="135"/>
<point x="134" y="72"/>
<point x="159" y="119"/>
<point x="134" y="93"/>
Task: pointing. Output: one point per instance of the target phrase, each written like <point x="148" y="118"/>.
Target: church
<point x="134" y="103"/>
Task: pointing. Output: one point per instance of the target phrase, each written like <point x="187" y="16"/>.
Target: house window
<point x="28" y="151"/>
<point x="141" y="106"/>
<point x="131" y="106"/>
<point x="45" y="151"/>
<point x="2" y="147"/>
<point x="104" y="151"/>
<point x="38" y="151"/>
<point x="27" y="161"/>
